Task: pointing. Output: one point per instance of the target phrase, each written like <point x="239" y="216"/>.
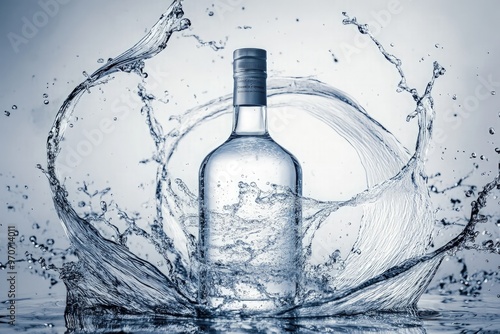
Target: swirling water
<point x="388" y="268"/>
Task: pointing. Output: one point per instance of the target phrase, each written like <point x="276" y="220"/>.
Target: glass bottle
<point x="250" y="211"/>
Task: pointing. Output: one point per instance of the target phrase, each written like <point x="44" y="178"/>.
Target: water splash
<point x="115" y="277"/>
<point x="390" y="264"/>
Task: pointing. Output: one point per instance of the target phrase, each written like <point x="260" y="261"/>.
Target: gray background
<point x="302" y="38"/>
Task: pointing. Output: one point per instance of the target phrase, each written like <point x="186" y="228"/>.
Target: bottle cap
<point x="249" y="72"/>
<point x="249" y="59"/>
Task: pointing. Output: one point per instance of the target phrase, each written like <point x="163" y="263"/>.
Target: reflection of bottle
<point x="249" y="208"/>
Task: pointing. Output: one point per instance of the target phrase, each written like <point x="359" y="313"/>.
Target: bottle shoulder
<point x="262" y="149"/>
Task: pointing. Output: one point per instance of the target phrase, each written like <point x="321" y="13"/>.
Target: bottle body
<point x="249" y="226"/>
<point x="250" y="209"/>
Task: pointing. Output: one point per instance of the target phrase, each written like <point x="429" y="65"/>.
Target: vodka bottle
<point x="250" y="212"/>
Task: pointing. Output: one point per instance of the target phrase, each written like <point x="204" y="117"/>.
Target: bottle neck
<point x="250" y="100"/>
<point x="250" y="120"/>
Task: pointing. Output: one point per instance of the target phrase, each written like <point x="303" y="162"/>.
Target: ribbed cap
<point x="249" y="59"/>
<point x="249" y="72"/>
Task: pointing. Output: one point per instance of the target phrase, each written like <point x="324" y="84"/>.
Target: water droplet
<point x="185" y="23"/>
<point x="363" y="28"/>
<point x="210" y="13"/>
<point x="482" y="157"/>
<point x="33" y="239"/>
<point x="392" y="45"/>
<point x="50" y="242"/>
<point x="45" y="95"/>
<point x="46" y="102"/>
<point x="469" y="193"/>
<point x="85" y="74"/>
<point x="35" y="226"/>
<point x="497" y="150"/>
<point x="7" y="113"/>
<point x="100" y="60"/>
<point x="488" y="243"/>
<point x="81" y="204"/>
<point x="493" y="92"/>
<point x="104" y="206"/>
<point x="438" y="70"/>
<point x="454" y="97"/>
<point x="115" y="118"/>
<point x="473" y="155"/>
<point x="178" y="12"/>
<point x="437" y="46"/>
<point x="491" y="131"/>
<point x="14" y="107"/>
